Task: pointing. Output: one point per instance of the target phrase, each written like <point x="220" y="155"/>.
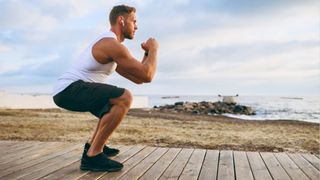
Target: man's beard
<point x="127" y="35"/>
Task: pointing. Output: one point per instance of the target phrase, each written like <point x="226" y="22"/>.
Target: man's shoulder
<point x="106" y="42"/>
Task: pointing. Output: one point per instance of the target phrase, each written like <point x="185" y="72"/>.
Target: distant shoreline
<point x="301" y="108"/>
<point x="146" y="112"/>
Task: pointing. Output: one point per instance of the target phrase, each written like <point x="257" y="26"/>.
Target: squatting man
<point x="83" y="86"/>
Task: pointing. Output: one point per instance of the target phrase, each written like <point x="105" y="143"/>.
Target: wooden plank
<point x="226" y="166"/>
<point x="121" y="158"/>
<point x="193" y="167"/>
<point x="37" y="160"/>
<point x="291" y="168"/>
<point x="47" y="155"/>
<point x="42" y="165"/>
<point x="258" y="167"/>
<point x="60" y="163"/>
<point x="242" y="166"/>
<point x="175" y="168"/>
<point x="15" y="144"/>
<point x="72" y="171"/>
<point x="275" y="168"/>
<point x="6" y="145"/>
<point x="305" y="166"/>
<point x="14" y="151"/>
<point x="22" y="158"/>
<point x="209" y="169"/>
<point x="144" y="165"/>
<point x="130" y="163"/>
<point x="160" y="166"/>
<point x="20" y="154"/>
<point x="313" y="160"/>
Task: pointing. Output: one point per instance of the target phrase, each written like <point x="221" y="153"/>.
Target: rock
<point x="188" y="105"/>
<point x="178" y="103"/>
<point x="238" y="109"/>
<point x="195" y="112"/>
<point x="207" y="108"/>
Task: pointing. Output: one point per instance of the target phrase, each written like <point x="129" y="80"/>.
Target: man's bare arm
<point x="128" y="75"/>
<point x="110" y="48"/>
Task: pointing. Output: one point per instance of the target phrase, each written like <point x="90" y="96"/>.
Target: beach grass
<point x="162" y="129"/>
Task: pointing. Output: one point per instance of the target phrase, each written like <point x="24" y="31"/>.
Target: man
<point x="82" y="87"/>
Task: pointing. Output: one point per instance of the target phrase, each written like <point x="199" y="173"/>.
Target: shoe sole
<point x="85" y="168"/>
<point x="111" y="155"/>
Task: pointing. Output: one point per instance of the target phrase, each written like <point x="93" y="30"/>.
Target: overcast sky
<point x="207" y="47"/>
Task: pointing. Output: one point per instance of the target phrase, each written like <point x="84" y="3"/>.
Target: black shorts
<point x="88" y="97"/>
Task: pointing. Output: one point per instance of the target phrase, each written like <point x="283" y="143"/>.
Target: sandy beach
<point x="154" y="128"/>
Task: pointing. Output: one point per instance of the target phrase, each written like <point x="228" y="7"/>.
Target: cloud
<point x="4" y="48"/>
<point x="205" y="46"/>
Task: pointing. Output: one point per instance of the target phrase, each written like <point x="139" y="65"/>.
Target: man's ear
<point x="121" y="19"/>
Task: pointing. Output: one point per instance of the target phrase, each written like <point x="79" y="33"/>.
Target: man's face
<point x="130" y="26"/>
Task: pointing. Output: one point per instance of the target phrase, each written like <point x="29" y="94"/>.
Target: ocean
<point x="266" y="107"/>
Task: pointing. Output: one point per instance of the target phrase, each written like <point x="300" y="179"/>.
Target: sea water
<point x="266" y="107"/>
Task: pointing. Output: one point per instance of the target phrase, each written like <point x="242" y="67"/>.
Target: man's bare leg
<point x="109" y="122"/>
<point x="95" y="132"/>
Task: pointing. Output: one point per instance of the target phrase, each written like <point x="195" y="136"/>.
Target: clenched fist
<point x="150" y="44"/>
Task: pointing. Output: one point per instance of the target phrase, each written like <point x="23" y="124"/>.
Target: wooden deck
<point x="57" y="160"/>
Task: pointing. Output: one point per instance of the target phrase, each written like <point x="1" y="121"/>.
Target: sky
<point x="207" y="47"/>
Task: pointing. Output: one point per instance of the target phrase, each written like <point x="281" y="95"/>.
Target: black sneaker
<point x="99" y="162"/>
<point x="106" y="150"/>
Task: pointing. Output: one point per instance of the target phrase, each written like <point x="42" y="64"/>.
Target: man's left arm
<point x="128" y="75"/>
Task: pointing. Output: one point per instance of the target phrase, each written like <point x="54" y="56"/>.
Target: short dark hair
<point x="119" y="11"/>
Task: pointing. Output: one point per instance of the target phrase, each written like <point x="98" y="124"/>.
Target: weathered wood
<point x="42" y="165"/>
<point x="136" y="159"/>
<point x="290" y="167"/>
<point x="71" y="171"/>
<point x="65" y="160"/>
<point x="9" y="146"/>
<point x="305" y="166"/>
<point x="258" y="167"/>
<point x="46" y="156"/>
<point x="144" y="165"/>
<point x="226" y="166"/>
<point x="22" y="158"/>
<point x="242" y="166"/>
<point x="175" y="168"/>
<point x="58" y="160"/>
<point x="275" y="168"/>
<point x="121" y="158"/>
<point x="209" y="168"/>
<point x="160" y="166"/>
<point x="4" y="143"/>
<point x="18" y="152"/>
<point x="313" y="160"/>
<point x="193" y="167"/>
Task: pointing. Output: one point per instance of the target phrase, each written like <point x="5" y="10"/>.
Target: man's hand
<point x="151" y="43"/>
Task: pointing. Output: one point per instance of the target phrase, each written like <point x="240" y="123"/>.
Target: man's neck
<point x="117" y="32"/>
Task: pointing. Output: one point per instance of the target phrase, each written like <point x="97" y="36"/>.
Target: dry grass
<point x="158" y="129"/>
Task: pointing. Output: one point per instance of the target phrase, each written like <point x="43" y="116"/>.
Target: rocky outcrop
<point x="208" y="108"/>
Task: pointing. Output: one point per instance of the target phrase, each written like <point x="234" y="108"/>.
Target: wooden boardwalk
<point x="58" y="160"/>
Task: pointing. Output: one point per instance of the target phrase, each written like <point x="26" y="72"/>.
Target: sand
<point x="150" y="127"/>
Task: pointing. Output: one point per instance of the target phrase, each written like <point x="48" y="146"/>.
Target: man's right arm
<point x="119" y="53"/>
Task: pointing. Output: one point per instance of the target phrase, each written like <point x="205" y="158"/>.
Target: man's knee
<point x="128" y="98"/>
<point x="124" y="100"/>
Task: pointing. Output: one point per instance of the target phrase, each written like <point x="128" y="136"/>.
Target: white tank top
<point x="86" y="68"/>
